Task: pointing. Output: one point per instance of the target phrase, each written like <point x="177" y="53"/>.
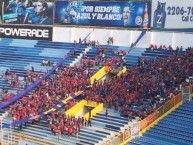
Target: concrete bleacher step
<point x="132" y="57"/>
<point x="113" y="122"/>
<point x="94" y="132"/>
<point x="44" y="129"/>
<point x="20" y="48"/>
<point x="30" y="57"/>
<point x="20" y="44"/>
<point x="41" y="133"/>
<point x="44" y="132"/>
<point x="107" y="121"/>
<point x="113" y="114"/>
<point x="111" y="119"/>
<point x="5" y="84"/>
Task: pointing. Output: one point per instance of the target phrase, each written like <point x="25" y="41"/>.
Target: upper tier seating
<point x="19" y="55"/>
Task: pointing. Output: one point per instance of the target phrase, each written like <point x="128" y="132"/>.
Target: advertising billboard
<point x="26" y="32"/>
<point x="36" y="12"/>
<point x="109" y="14"/>
<point x="172" y="14"/>
<point x="1" y="3"/>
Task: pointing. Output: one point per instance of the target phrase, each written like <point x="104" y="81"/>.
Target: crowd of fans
<point x="70" y="125"/>
<point x="165" y="48"/>
<point x="87" y="42"/>
<point x="110" y="41"/>
<point x="145" y="87"/>
<point x="151" y="82"/>
<point x="63" y="82"/>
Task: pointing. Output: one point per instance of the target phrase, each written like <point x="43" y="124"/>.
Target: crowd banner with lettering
<point x="148" y="120"/>
<point x="135" y="129"/>
<point x="28" y="12"/>
<point x="110" y="14"/>
<point x="171" y="103"/>
<point x="26" y="32"/>
<point x="127" y="133"/>
<point x="178" y="98"/>
<point x="161" y="111"/>
<point x="172" y="14"/>
<point x="166" y="107"/>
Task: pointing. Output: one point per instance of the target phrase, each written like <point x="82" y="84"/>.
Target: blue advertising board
<point x="110" y="14"/>
<point x="28" y="12"/>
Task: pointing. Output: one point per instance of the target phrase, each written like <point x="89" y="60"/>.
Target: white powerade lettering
<point x="25" y="32"/>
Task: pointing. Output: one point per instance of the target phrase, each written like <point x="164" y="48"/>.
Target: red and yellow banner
<point x="160" y="111"/>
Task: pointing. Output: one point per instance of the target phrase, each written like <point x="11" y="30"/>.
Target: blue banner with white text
<point x="110" y="14"/>
<point x="34" y="12"/>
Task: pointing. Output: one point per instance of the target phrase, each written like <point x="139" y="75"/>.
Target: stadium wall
<point x="123" y="37"/>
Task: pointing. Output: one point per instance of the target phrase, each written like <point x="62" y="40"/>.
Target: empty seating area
<point x="113" y="122"/>
<point x="150" y="54"/>
<point x="19" y="55"/>
<point x="133" y="56"/>
<point x="175" y="129"/>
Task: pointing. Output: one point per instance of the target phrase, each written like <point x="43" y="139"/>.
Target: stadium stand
<point x="175" y="129"/>
<point x="109" y="122"/>
<point x="99" y="121"/>
<point x="81" y="72"/>
<point x="103" y="126"/>
<point x="30" y="130"/>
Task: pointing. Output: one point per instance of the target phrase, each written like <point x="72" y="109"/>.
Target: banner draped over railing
<point x="160" y="111"/>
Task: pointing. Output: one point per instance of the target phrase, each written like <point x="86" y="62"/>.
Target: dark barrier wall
<point x="36" y="12"/>
<point x="110" y="14"/>
<point x="26" y="32"/>
<point x="1" y="3"/>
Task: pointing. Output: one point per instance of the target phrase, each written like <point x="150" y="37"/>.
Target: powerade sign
<point x="113" y="14"/>
<point x="23" y="32"/>
<point x="172" y="14"/>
